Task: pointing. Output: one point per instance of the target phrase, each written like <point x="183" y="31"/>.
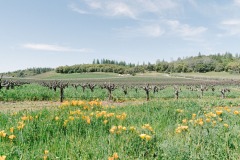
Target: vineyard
<point x="141" y="117"/>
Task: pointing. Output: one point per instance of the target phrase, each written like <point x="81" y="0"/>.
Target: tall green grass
<point x="35" y="92"/>
<point x="82" y="130"/>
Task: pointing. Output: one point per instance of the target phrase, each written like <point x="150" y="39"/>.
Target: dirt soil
<point x="38" y="105"/>
<point x="26" y="105"/>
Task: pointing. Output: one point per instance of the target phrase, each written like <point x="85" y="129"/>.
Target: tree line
<point x="28" y="72"/>
<point x="201" y="63"/>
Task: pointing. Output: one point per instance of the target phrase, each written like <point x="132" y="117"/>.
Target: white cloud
<point x="152" y="17"/>
<point x="131" y="9"/>
<point x="164" y="27"/>
<point x="231" y="22"/>
<point x="151" y="31"/>
<point x="237" y="2"/>
<point x="74" y="8"/>
<point x="54" y="48"/>
<point x="231" y="26"/>
<point x="120" y="9"/>
<point x="95" y="4"/>
<point x="184" y="30"/>
<point x="153" y="6"/>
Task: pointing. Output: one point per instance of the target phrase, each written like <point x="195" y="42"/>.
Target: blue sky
<point x="51" y="33"/>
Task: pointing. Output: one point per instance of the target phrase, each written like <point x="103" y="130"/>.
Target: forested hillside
<point x="201" y="63"/>
<point x="28" y="72"/>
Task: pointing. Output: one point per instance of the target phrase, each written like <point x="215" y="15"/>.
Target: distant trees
<point x="200" y="63"/>
<point x="28" y="72"/>
<point x="83" y="68"/>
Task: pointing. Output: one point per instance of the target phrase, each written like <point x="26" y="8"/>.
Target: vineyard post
<point x="202" y="90"/>
<point x="176" y="93"/>
<point x="136" y="89"/>
<point x="92" y="86"/>
<point x="62" y="87"/>
<point x="124" y="88"/>
<point x="83" y="87"/>
<point x="61" y="94"/>
<point x="213" y="89"/>
<point x="110" y="88"/>
<point x="147" y="89"/>
<point x="155" y="89"/>
<point x="223" y="91"/>
<point x="7" y="85"/>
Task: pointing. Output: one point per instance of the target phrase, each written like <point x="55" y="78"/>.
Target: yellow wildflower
<point x="179" y="110"/>
<point x="122" y="116"/>
<point x="30" y="117"/>
<point x="184" y="121"/>
<point x="45" y="157"/>
<point x="88" y="120"/>
<point x="193" y="116"/>
<point x="11" y="129"/>
<point x="200" y="122"/>
<point x="3" y="134"/>
<point x="225" y="125"/>
<point x="132" y="128"/>
<point x="178" y="130"/>
<point x="12" y="137"/>
<point x="105" y="121"/>
<point x="120" y="127"/>
<point x="236" y="112"/>
<point x="142" y="136"/>
<point x="148" y="127"/>
<point x="65" y="123"/>
<point x="24" y="118"/>
<point x="3" y="157"/>
<point x="115" y="155"/>
<point x="112" y="130"/>
<point x="208" y="120"/>
<point x="214" y="123"/>
<point x="71" y="118"/>
<point x="219" y="112"/>
<point x="147" y="137"/>
<point x="228" y="110"/>
<point x="56" y="118"/>
<point x="46" y="151"/>
<point x="181" y="128"/>
<point x="20" y="125"/>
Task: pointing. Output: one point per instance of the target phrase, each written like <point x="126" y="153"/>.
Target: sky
<point x="52" y="33"/>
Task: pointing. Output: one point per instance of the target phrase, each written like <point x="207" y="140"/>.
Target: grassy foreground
<point x="170" y="129"/>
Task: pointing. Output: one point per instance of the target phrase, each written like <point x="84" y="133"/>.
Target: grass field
<point x="54" y="75"/>
<point x="170" y="129"/>
<point x="100" y="78"/>
<point x="209" y="75"/>
<point x="34" y="125"/>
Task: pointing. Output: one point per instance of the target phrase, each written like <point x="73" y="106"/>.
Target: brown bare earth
<point x="38" y="105"/>
<point x="27" y="105"/>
